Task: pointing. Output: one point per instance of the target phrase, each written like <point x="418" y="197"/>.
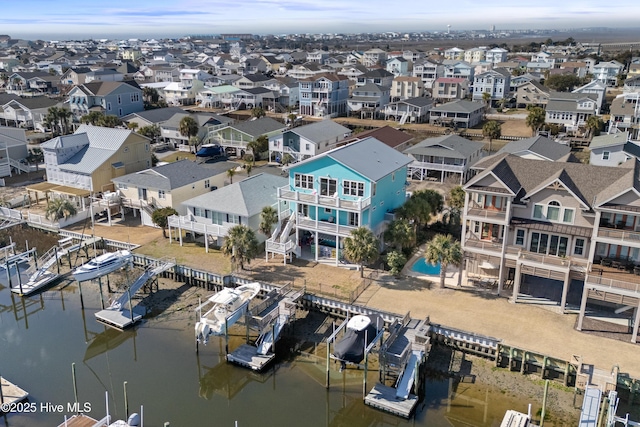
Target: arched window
<point x="553" y="211"/>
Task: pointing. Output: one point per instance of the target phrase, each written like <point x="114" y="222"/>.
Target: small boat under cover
<point x="361" y="330"/>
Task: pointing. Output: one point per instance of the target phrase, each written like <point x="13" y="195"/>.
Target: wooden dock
<point x="384" y="398"/>
<point x="247" y="355"/>
<point x="120" y="319"/>
<point x="84" y="421"/>
<point x="11" y="393"/>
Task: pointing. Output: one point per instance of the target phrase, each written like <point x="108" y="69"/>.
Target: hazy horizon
<point x="74" y="19"/>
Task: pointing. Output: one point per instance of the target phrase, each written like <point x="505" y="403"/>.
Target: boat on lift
<point x="223" y="309"/>
<point x="361" y="330"/>
<point x="102" y="264"/>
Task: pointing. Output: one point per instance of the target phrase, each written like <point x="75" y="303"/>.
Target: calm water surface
<point x="41" y="336"/>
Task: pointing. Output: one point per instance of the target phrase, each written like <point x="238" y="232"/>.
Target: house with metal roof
<point x="443" y="158"/>
<point x="168" y="185"/>
<point x="458" y="113"/>
<point x="565" y="234"/>
<point x="236" y="137"/>
<point x="86" y="161"/>
<point x="306" y="141"/>
<point x="330" y="195"/>
<point x="211" y="215"/>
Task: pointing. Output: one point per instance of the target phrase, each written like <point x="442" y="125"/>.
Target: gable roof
<point x="369" y="157"/>
<point x="609" y="140"/>
<point x="105" y="88"/>
<point x="167" y="177"/>
<point x="155" y="115"/>
<point x="245" y="198"/>
<point x="544" y="147"/>
<point x="452" y="146"/>
<point x="321" y="131"/>
<point x="589" y="183"/>
<point x="261" y="126"/>
<point x="459" y="106"/>
<point x="386" y="134"/>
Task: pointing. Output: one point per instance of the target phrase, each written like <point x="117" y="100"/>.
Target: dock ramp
<point x="271" y="336"/>
<point x="590" y="407"/>
<point x="408" y="375"/>
<point x="116" y="315"/>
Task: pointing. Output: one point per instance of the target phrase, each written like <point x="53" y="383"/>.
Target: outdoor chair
<point x="606" y="262"/>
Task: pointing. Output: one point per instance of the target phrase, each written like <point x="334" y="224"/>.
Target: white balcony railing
<point x="612" y="283"/>
<point x="487" y="214"/>
<point x="285" y="193"/>
<point x="325" y="226"/>
<point x="186" y="222"/>
<point x="624" y="235"/>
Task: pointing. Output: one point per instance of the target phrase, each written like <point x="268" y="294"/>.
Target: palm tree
<point x="51" y="120"/>
<point x="420" y="207"/>
<point x="92" y="118"/>
<point x="268" y="217"/>
<point x="400" y="234"/>
<point x="486" y="98"/>
<point x="241" y="244"/>
<point x="64" y="116"/>
<point x="361" y="247"/>
<point x="492" y="130"/>
<point x="594" y="125"/>
<point x="160" y="217"/>
<point x="456" y="204"/>
<point x="59" y="208"/>
<point x="110" y="121"/>
<point x="152" y="132"/>
<point x="535" y="118"/>
<point x="258" y="112"/>
<point x="230" y="173"/>
<point x="257" y="146"/>
<point x="444" y="250"/>
<point x="188" y="127"/>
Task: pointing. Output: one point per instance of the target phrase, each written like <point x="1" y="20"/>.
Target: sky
<point x="68" y="19"/>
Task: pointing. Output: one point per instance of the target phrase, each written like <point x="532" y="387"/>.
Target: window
<point x="568" y="215"/>
<point x="207" y="183"/>
<point x="328" y="210"/>
<point x="537" y="211"/>
<point x="520" y="237"/>
<point x="553" y="210"/>
<point x="161" y="194"/>
<point x="303" y="209"/>
<point x="353" y="219"/>
<point x="119" y="100"/>
<point x="122" y="186"/>
<point x="198" y="212"/>
<point x="303" y="181"/>
<point x="605" y="155"/>
<point x="578" y="248"/>
<point x="328" y="186"/>
<point x="353" y="188"/>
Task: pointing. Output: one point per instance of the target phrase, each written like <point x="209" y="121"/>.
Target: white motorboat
<point x="223" y="310"/>
<point x="102" y="264"/>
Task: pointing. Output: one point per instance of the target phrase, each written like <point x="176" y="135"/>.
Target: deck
<point x="247" y="355"/>
<point x="384" y="398"/>
<point x="120" y="319"/>
<point x="83" y="421"/>
<point x="11" y="393"/>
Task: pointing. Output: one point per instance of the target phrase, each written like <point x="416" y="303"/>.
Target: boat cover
<point x="351" y="347"/>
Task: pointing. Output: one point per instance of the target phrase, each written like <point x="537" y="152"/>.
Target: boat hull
<point x="86" y="272"/>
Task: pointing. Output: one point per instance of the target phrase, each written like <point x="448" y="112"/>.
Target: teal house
<point x="333" y="193"/>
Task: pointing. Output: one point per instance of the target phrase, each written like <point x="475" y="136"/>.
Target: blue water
<point x="422" y="266"/>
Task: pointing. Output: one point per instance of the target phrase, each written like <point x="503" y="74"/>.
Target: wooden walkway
<point x="11" y="393"/>
<point x="83" y="421"/>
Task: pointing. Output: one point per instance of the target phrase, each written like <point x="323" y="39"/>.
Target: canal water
<point x="41" y="336"/>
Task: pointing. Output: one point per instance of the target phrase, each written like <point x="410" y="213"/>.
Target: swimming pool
<point x="422" y="266"/>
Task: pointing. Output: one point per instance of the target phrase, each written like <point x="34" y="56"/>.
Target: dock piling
<point x="126" y="400"/>
<point x="75" y="384"/>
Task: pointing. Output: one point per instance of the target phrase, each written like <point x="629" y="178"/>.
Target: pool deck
<point x="451" y="276"/>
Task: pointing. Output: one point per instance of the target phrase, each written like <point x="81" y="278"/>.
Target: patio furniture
<point x="636" y="270"/>
<point x="606" y="262"/>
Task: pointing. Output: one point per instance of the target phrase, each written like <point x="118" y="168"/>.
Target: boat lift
<point x="117" y="315"/>
<point x="269" y="318"/>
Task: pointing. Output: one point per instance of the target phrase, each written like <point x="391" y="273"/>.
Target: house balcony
<point x="438" y="166"/>
<point x="516" y="254"/>
<point x="486" y="214"/>
<point x="187" y="223"/>
<point x="612" y="280"/>
<point x="228" y="142"/>
<point x="324" y="226"/>
<point x="619" y="236"/>
<point x="285" y="193"/>
<point x="285" y="248"/>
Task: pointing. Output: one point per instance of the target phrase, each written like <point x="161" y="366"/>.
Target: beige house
<point x="168" y="185"/>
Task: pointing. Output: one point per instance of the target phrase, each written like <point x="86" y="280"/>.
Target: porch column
<point x="206" y="241"/>
<point x="592" y="243"/>
<point x="565" y="288"/>
<point x="463" y="219"/>
<point x="168" y="225"/>
<point x="180" y="232"/>
<point x="505" y="237"/>
<point x="583" y="306"/>
<point x="636" y="324"/>
<point x="516" y="282"/>
<point x="337" y="248"/>
<point x="316" y="244"/>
